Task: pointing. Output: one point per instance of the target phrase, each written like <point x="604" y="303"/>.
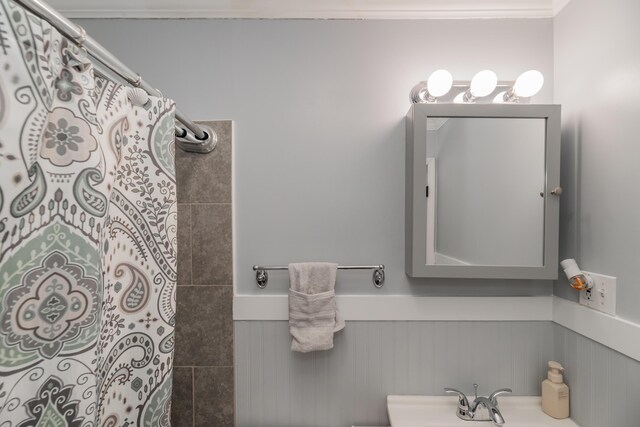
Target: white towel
<point x="313" y="313"/>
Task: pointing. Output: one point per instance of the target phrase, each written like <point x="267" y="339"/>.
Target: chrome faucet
<point x="469" y="411"/>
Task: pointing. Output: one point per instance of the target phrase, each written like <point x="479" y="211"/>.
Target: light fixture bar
<point x="505" y="91"/>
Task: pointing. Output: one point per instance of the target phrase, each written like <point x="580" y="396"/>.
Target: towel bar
<point x="262" y="277"/>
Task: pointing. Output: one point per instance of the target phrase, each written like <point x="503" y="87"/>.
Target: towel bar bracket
<point x="262" y="277"/>
<point x="378" y="277"/>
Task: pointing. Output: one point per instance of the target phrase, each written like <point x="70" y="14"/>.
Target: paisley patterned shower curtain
<point x="87" y="239"/>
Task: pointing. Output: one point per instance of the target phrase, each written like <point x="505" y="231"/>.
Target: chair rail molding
<point x="612" y="331"/>
<point x="406" y="307"/>
<point x="617" y="333"/>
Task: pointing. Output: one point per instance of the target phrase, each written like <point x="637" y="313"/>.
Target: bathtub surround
<point x="203" y="390"/>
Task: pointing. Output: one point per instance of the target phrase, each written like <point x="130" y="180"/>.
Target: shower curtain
<point x="87" y="239"/>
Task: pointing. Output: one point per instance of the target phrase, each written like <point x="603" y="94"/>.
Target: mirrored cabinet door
<point x="479" y="183"/>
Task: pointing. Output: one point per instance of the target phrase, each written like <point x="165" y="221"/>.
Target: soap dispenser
<point x="555" y="393"/>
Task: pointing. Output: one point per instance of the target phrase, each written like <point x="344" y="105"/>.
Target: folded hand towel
<point x="313" y="314"/>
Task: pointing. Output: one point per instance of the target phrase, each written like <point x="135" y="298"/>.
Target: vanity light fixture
<point x="484" y="87"/>
<point x="578" y="279"/>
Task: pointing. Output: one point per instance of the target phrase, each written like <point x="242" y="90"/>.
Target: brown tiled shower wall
<point x="203" y="378"/>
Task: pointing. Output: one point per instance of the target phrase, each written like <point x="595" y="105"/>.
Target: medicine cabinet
<point x="482" y="191"/>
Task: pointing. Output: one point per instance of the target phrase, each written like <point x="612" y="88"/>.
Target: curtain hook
<point x="80" y="39"/>
<point x="136" y="82"/>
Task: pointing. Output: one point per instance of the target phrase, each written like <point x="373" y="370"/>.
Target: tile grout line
<point x="190" y="245"/>
<point x="203" y="366"/>
<point x="193" y="396"/>
<point x="210" y="203"/>
<point x="205" y="286"/>
<point x="233" y="371"/>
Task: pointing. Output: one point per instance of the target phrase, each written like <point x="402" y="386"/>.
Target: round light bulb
<point x="528" y="84"/>
<point x="483" y="83"/>
<point x="439" y="83"/>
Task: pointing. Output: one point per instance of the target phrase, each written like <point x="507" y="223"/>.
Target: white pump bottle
<point x="555" y="393"/>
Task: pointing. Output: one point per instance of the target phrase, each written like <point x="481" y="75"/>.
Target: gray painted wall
<point x="604" y="385"/>
<point x="318" y="110"/>
<point x="349" y="384"/>
<point x="490" y="174"/>
<point x="597" y="63"/>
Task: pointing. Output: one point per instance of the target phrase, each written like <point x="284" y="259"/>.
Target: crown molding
<point x="558" y="5"/>
<point x="310" y="9"/>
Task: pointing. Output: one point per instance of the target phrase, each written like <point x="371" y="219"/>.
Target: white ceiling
<point x="310" y="9"/>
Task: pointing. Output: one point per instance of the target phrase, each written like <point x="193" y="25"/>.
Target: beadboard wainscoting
<point x="604" y="384"/>
<point x="371" y="359"/>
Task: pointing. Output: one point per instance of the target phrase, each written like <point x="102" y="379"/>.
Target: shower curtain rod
<point x="202" y="139"/>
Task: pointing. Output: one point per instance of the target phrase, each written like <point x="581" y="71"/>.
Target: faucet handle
<point x="494" y="396"/>
<point x="463" y="402"/>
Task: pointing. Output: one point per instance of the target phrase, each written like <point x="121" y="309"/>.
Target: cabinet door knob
<point x="557" y="191"/>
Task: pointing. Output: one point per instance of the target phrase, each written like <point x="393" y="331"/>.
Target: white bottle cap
<point x="555" y="372"/>
<point x="570" y="268"/>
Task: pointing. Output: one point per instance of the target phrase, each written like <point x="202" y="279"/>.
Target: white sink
<point x="440" y="411"/>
